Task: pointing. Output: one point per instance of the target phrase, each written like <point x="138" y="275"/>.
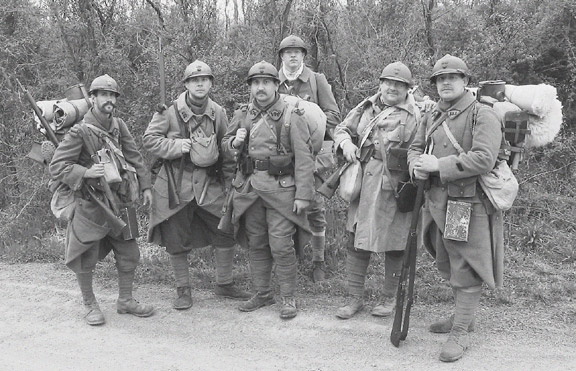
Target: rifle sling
<point x="185" y="134"/>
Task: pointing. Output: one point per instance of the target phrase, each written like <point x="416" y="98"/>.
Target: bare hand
<point x="96" y="171"/>
<point x="240" y="137"/>
<point x="300" y="206"/>
<point x="186" y="145"/>
<point x="421" y="175"/>
<point x="147" y="196"/>
<point x="424" y="165"/>
<point x="349" y="150"/>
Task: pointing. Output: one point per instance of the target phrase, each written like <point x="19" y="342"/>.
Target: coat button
<point x="252" y="148"/>
<point x="445" y="144"/>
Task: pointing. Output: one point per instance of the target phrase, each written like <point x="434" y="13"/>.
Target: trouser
<point x="357" y="261"/>
<point x="270" y="240"/>
<point x="316" y="215"/>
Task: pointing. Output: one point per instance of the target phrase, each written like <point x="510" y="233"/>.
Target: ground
<point x="41" y="327"/>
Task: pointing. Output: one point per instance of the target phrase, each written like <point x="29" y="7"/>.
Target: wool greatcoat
<point x="465" y="264"/>
<point x="88" y="234"/>
<point x="277" y="191"/>
<point x="374" y="216"/>
<point x="163" y="138"/>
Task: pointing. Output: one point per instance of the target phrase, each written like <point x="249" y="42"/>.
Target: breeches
<point x="193" y="227"/>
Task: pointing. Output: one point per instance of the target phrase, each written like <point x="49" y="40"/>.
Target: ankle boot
<point x="288" y="309"/>
<point x="231" y="291"/>
<point x="259" y="300"/>
<point x="131" y="306"/>
<point x="184" y="299"/>
<point x="353" y="306"/>
<point x="318" y="271"/>
<point x="94" y="316"/>
<point x="385" y="308"/>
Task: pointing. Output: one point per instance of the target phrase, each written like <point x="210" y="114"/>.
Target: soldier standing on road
<point x="468" y="251"/>
<point x="388" y="120"/>
<point x="299" y="80"/>
<point x="274" y="186"/>
<point x="187" y="136"/>
<point x="89" y="236"/>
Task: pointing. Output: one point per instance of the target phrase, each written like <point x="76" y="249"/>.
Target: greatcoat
<point x="70" y="162"/>
<point x="163" y="138"/>
<point x="374" y="216"/>
<point x="457" y="179"/>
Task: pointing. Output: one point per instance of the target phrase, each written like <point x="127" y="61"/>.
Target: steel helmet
<point x="262" y="69"/>
<point x="104" y="82"/>
<point x="292" y="41"/>
<point x="397" y="71"/>
<point x="197" y="68"/>
<point x="449" y="64"/>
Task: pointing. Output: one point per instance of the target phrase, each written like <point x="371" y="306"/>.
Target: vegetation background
<point x="50" y="45"/>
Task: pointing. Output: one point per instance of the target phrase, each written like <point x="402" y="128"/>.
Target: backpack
<point x="313" y="116"/>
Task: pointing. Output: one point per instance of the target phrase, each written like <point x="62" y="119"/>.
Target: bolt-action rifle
<point x="111" y="215"/>
<point x="404" y="295"/>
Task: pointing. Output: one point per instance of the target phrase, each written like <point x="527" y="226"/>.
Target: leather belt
<point x="261" y="164"/>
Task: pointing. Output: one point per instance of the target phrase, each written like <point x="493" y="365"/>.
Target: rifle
<point x="173" y="196"/>
<point x="116" y="224"/>
<point x="330" y="185"/>
<point x="406" y="285"/>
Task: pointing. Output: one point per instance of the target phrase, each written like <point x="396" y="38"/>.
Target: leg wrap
<point x="467" y="301"/>
<point x="125" y="282"/>
<point x="356" y="267"/>
<point x="287" y="277"/>
<point x="392" y="270"/>
<point x="318" y="243"/>
<point x="85" y="283"/>
<point x="261" y="268"/>
<point x="180" y="267"/>
<point x="224" y="262"/>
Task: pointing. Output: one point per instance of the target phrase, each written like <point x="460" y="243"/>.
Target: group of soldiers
<point x="261" y="169"/>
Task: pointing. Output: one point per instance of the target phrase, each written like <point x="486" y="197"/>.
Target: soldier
<point x="89" y="235"/>
<point x="384" y="122"/>
<point x="473" y="254"/>
<point x="299" y="80"/>
<point x="274" y="186"/>
<point x="187" y="136"/>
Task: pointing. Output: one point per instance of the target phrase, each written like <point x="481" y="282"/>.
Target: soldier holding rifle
<point x="460" y="226"/>
<point x="98" y="150"/>
<point x="187" y="136"/>
<point x="383" y="126"/>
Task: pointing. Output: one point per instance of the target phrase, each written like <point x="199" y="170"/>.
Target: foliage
<point x="52" y="44"/>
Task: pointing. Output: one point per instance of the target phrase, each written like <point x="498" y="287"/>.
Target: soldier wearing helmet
<point x="187" y="137"/>
<point x="299" y="80"/>
<point x="457" y="141"/>
<point x="89" y="235"/>
<point x="384" y="124"/>
<point x="273" y="186"/>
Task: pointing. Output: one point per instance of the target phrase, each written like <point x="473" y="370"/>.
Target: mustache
<point x="110" y="103"/>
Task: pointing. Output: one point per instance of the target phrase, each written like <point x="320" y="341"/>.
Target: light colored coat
<point x="374" y="216"/>
<point x="163" y="138"/>
<point x="459" y="173"/>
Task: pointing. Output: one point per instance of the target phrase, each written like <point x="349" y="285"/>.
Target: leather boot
<point x="131" y="306"/>
<point x="444" y="326"/>
<point x="184" y="299"/>
<point x="231" y="291"/>
<point x="318" y="271"/>
<point x="259" y="300"/>
<point x="454" y="348"/>
<point x="353" y="306"/>
<point x="288" y="309"/>
<point x="94" y="316"/>
<point x="385" y="308"/>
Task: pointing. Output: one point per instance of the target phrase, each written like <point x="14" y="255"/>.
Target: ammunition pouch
<point x="397" y="159"/>
<point x="462" y="187"/>
<point x="280" y="165"/>
<point x="246" y="166"/>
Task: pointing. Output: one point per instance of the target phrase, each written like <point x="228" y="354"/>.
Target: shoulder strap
<point x="451" y="138"/>
<point x="314" y="85"/>
<point x="182" y="124"/>
<point x="371" y="124"/>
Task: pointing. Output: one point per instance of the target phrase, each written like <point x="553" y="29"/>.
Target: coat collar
<point x="465" y="101"/>
<point x="275" y="112"/>
<point x="408" y="104"/>
<point x="91" y="118"/>
<point x="186" y="113"/>
<point x="304" y="76"/>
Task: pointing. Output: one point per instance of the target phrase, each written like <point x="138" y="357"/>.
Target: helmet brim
<point x="447" y="71"/>
<point x="93" y="91"/>
<point x="249" y="79"/>
<point x="395" y="78"/>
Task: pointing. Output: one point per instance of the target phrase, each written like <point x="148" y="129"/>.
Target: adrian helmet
<point x="449" y="64"/>
<point x="196" y="69"/>
<point x="262" y="69"/>
<point x="104" y="82"/>
<point x="292" y="41"/>
<point x="397" y="71"/>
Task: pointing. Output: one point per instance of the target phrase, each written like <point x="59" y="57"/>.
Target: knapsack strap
<point x="452" y="139"/>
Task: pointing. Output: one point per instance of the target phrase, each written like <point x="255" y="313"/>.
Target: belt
<point x="261" y="164"/>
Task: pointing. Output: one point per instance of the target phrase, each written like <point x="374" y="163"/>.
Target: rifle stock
<point x="328" y="188"/>
<point x="406" y="285"/>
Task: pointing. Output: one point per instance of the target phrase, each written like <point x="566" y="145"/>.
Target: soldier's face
<point x="393" y="92"/>
<point x="263" y="89"/>
<point x="199" y="86"/>
<point x="451" y="86"/>
<point x="104" y="101"/>
<point x="292" y="58"/>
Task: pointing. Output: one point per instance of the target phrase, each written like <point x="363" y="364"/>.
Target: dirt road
<point x="41" y="328"/>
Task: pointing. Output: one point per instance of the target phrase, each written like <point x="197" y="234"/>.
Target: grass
<point x="540" y="256"/>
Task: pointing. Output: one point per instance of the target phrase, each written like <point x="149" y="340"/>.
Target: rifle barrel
<point x="49" y="132"/>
